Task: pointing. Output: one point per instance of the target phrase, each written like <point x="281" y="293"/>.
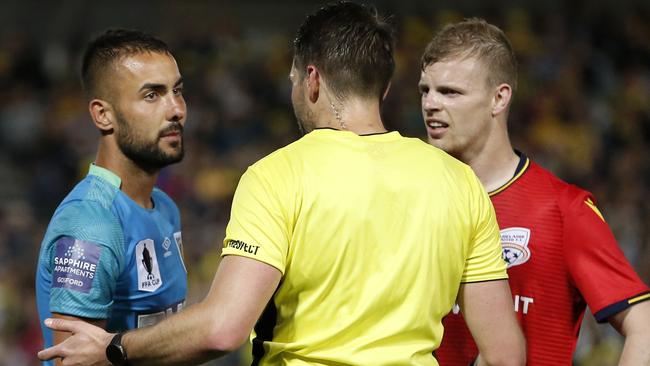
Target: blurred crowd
<point x="582" y="110"/>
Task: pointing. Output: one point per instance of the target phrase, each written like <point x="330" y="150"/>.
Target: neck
<point x="360" y="116"/>
<point x="136" y="182"/>
<point x="495" y="163"/>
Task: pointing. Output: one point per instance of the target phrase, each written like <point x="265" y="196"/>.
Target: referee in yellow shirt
<point x="347" y="247"/>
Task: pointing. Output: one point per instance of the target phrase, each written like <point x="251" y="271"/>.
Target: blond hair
<point x="475" y="38"/>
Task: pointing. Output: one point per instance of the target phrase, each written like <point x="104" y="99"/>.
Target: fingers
<point x="64" y="325"/>
<point x="50" y="353"/>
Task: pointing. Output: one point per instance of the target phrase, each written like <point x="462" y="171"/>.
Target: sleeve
<point x="259" y="226"/>
<point x="484" y="261"/>
<point x="597" y="265"/>
<point x="86" y="255"/>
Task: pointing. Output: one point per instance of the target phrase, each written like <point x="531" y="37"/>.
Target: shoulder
<point x="86" y="218"/>
<point x="87" y="213"/>
<point x="282" y="163"/>
<point x="568" y="196"/>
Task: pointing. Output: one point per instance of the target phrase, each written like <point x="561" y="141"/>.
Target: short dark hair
<point x="475" y="37"/>
<point x="352" y="47"/>
<point x="110" y="47"/>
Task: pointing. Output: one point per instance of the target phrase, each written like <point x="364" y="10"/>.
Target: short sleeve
<point x="85" y="257"/>
<point x="597" y="265"/>
<point x="259" y="227"/>
<point x="484" y="261"/>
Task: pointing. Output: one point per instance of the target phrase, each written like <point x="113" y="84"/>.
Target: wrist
<point x="115" y="351"/>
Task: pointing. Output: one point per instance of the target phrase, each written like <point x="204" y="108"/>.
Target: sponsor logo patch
<point x="514" y="242"/>
<point x="166" y="244"/>
<point x="148" y="271"/>
<point x="240" y="245"/>
<point x="178" y="239"/>
<point x="75" y="264"/>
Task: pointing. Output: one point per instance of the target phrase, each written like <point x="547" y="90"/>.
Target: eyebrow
<point x="157" y="86"/>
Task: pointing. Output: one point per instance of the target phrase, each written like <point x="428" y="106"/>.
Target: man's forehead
<point x="453" y="68"/>
<point x="152" y="66"/>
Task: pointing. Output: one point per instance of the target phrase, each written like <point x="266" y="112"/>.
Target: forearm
<point x="636" y="350"/>
<point x="632" y="324"/>
<point x="219" y="324"/>
<point x="185" y="338"/>
<point x="488" y="311"/>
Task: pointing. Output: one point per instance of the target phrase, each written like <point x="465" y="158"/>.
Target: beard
<point x="148" y="155"/>
<point x="306" y="118"/>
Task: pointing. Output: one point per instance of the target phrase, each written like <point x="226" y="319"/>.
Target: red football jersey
<point x="561" y="257"/>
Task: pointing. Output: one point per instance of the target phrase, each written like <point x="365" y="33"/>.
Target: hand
<point x="86" y="346"/>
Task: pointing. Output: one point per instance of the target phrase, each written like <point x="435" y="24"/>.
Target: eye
<point x="448" y="91"/>
<point x="150" y="96"/>
<point x="424" y="90"/>
<point x="178" y="90"/>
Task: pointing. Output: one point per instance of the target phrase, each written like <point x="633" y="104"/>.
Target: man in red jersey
<point x="561" y="254"/>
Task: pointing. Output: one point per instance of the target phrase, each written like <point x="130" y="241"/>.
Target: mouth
<point x="172" y="133"/>
<point x="436" y="128"/>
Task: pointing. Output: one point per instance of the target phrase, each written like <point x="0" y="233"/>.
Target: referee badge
<point x="514" y="242"/>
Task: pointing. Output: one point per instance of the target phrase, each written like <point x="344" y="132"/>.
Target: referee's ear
<point x="313" y="83"/>
<point x="102" y="115"/>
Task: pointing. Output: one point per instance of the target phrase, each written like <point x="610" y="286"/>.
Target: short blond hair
<point x="475" y="37"/>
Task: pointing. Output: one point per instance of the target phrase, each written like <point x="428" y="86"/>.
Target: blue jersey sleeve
<point x="84" y="252"/>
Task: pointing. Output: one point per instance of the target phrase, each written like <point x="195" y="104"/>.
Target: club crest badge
<point x="148" y="271"/>
<point x="514" y="242"/>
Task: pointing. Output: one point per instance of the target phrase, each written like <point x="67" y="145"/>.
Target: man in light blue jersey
<point x="112" y="253"/>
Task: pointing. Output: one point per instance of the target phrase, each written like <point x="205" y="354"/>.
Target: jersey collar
<point x="106" y="174"/>
<point x="524" y="162"/>
<point x="377" y="136"/>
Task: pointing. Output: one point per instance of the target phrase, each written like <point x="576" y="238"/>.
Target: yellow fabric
<point x="591" y="205"/>
<point x="373" y="235"/>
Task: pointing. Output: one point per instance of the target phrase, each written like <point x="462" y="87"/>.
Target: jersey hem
<point x="239" y="254"/>
<point x="488" y="280"/>
<point x="69" y="312"/>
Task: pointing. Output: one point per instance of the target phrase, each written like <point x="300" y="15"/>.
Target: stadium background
<point x="582" y="110"/>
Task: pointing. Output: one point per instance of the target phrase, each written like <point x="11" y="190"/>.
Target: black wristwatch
<point x="115" y="353"/>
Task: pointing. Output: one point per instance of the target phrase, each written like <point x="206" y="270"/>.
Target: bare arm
<point x="219" y="324"/>
<point x="59" y="337"/>
<point x="488" y="311"/>
<point x="633" y="323"/>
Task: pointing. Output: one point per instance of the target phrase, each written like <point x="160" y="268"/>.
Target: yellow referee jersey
<point x="373" y="235"/>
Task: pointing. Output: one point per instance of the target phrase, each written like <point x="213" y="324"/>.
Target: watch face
<point x="115" y="354"/>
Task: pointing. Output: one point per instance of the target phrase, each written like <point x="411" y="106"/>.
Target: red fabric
<point x="574" y="261"/>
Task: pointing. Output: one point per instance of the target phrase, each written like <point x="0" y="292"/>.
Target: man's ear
<point x="501" y="99"/>
<point x="313" y="83"/>
<point x="101" y="112"/>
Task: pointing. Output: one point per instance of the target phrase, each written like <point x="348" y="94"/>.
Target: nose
<point x="177" y="109"/>
<point x="430" y="102"/>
